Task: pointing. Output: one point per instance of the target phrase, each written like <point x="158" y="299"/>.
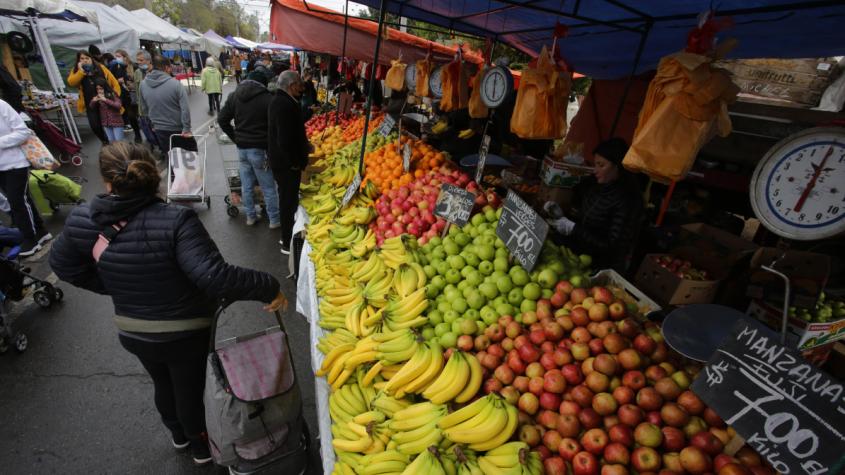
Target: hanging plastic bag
<point x="540" y="110"/>
<point x="477" y="109"/>
<point x="396" y="75"/>
<point x="423" y="73"/>
<point x="685" y="106"/>
<point x="455" y="87"/>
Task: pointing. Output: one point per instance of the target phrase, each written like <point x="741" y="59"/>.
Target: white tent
<point x="249" y="44"/>
<point x="173" y="34"/>
<point x="146" y="30"/>
<point x="49" y="7"/>
<point x="212" y="46"/>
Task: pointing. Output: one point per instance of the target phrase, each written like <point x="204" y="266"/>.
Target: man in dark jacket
<point x="288" y="147"/>
<point x="247" y="106"/>
<point x="164" y="100"/>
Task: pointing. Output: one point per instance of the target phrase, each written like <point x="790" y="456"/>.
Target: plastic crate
<point x="610" y="277"/>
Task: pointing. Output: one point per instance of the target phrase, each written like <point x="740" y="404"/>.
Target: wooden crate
<point x="788" y="82"/>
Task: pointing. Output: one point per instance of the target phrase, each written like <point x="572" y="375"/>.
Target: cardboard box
<point x="562" y="175"/>
<point x="807" y="271"/>
<point x="669" y="289"/>
<point x="712" y="243"/>
<point x="814" y="340"/>
<point x="562" y="196"/>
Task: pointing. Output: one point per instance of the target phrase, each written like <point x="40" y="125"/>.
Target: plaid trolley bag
<point x="253" y="407"/>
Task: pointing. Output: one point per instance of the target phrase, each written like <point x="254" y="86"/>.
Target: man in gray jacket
<point x="165" y="102"/>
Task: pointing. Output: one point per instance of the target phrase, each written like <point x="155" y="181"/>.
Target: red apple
<point x="554" y="466"/>
<point x="629" y="358"/>
<point x="535" y="385"/>
<point x="691" y="403"/>
<point x="668" y="389"/>
<point x="581" y="335"/>
<point x="521" y="383"/>
<point x="614" y="469"/>
<point x="504" y="374"/>
<point x="515" y="363"/>
<point x="604" y="404"/>
<point x="481" y="342"/>
<point x="528" y="403"/>
<point x="605" y="364"/>
<point x="655" y="373"/>
<point x="529" y="434"/>
<point x="550" y="401"/>
<point x="580" y="317"/>
<point x="594" y="441"/>
<point x="622" y="434"/>
<point x="628" y="327"/>
<point x="568" y="447"/>
<point x="614" y="343"/>
<point x="561" y="357"/>
<point x="597" y="382"/>
<point x="672" y="461"/>
<point x="617" y="310"/>
<point x="578" y="295"/>
<point x="648" y="435"/>
<point x="568" y="425"/>
<point x="712" y="419"/>
<point x="554" y="382"/>
<point x="733" y="469"/>
<point x="596" y="346"/>
<point x="721" y="460"/>
<point x="572" y="373"/>
<point x="551" y="439"/>
<point x="564" y="287"/>
<point x="534" y="370"/>
<point x="695" y="461"/>
<point x="644" y="344"/>
<point x="707" y="442"/>
<point x="584" y="463"/>
<point x="748" y="457"/>
<point x="649" y="399"/>
<point x="553" y="330"/>
<point x="616" y="453"/>
<point x="673" y="439"/>
<point x="598" y="312"/>
<point x="582" y="395"/>
<point x="623" y="395"/>
<point x="569" y="408"/>
<point x="528" y="352"/>
<point x="645" y="459"/>
<point x="674" y="415"/>
<point x="589" y="418"/>
<point x="634" y="379"/>
<point x="630" y="415"/>
<point x="694" y="426"/>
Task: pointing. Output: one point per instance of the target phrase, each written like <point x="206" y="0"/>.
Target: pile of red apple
<point x="409" y="209"/>
<point x="681" y="268"/>
<point x="318" y="122"/>
<point x="600" y="393"/>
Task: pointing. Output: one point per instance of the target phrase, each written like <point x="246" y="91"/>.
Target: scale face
<point x="435" y="82"/>
<point x="496" y="84"/>
<point x="411" y="77"/>
<point x="798" y="188"/>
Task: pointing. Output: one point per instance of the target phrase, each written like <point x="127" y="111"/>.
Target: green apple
<point x="485" y="267"/>
<point x="586" y="261"/>
<point x="462" y="239"/>
<point x="504" y="284"/>
<point x="490" y="215"/>
<point x="451" y="292"/>
<point x="472" y="314"/>
<point x="435" y="241"/>
<point x="459" y="305"/>
<point x="501" y="263"/>
<point x="502" y="252"/>
<point x="475" y="300"/>
<point x="503" y="298"/>
<point x="450" y="316"/>
<point x="449" y="340"/>
<point x="471" y="258"/>
<point x="456" y="326"/>
<point x="504" y="309"/>
<point x="444" y="306"/>
<point x="531" y="291"/>
<point x="451" y="247"/>
<point x="442" y="267"/>
<point x="431" y="291"/>
<point x="462" y="285"/>
<point x="528" y="306"/>
<point x="429" y="270"/>
<point x="547" y="293"/>
<point x="474" y="278"/>
<point x="485" y="251"/>
<point x="456" y="262"/>
<point x="438" y="252"/>
<point x="482" y="325"/>
<point x="435" y="317"/>
<point x="577" y="281"/>
<point x="442" y="328"/>
<point x="467" y="291"/>
<point x="438" y="281"/>
<point x="547" y="278"/>
<point x="468" y="327"/>
<point x="519" y="275"/>
<point x="453" y="276"/>
<point x="515" y="296"/>
<point x="428" y="333"/>
<point x="488" y="315"/>
<point x="477" y="219"/>
<point x="489" y="290"/>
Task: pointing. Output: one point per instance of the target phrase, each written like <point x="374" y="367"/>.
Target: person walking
<point x="143" y="62"/>
<point x="83" y="76"/>
<point x="165" y="102"/>
<point x="288" y="148"/>
<point x="236" y="66"/>
<point x="165" y="276"/>
<point x="108" y="105"/>
<point x="211" y="83"/>
<point x="247" y="106"/>
<point x="121" y="68"/>
<point x="14" y="180"/>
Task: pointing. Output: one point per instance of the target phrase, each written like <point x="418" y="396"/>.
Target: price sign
<point x="787" y="410"/>
<point x="522" y="230"/>
<point x="350" y="191"/>
<point x="482" y="157"/>
<point x="406" y="157"/>
<point x="454" y="204"/>
<point x="387" y="125"/>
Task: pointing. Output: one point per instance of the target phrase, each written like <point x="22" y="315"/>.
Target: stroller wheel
<point x="208" y="202"/>
<point x="76" y="160"/>
<point x="227" y="200"/>
<point x="58" y="295"/>
<point x="21" y="342"/>
<point x="233" y="211"/>
<point x="42" y="298"/>
<point x="63" y="159"/>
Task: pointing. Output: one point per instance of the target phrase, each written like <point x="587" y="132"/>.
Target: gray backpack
<point x="253" y="408"/>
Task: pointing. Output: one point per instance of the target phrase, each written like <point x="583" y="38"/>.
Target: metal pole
<point x="381" y="12"/>
<point x="342" y="57"/>
<point x="640" y="48"/>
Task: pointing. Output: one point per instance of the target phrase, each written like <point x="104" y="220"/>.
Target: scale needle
<point x="812" y="184"/>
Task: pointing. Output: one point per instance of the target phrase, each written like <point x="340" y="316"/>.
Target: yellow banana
<point x="474" y="383"/>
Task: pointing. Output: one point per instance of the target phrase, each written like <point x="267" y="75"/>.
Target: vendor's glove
<point x="563" y="225"/>
<point x="552" y="209"/>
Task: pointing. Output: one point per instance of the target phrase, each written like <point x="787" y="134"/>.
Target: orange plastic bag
<point x="396" y="75"/>
<point x="423" y="73"/>
<point x="540" y="110"/>
<point x="455" y="90"/>
<point x="477" y="109"/>
<point x="685" y="106"/>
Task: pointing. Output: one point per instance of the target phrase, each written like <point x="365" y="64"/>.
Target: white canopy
<point x="210" y="45"/>
<point x="168" y="31"/>
<point x="249" y="44"/>
<point x="48" y="7"/>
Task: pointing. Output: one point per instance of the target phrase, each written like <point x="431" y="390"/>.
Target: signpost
<point x="454" y="204"/>
<point x="350" y="191"/>
<point x="522" y="230"/>
<point x="787" y="410"/>
<point x="387" y="125"/>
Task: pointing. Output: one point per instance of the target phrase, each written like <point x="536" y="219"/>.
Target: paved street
<point x="76" y="401"/>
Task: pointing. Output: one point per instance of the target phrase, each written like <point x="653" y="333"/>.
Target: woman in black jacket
<point x="165" y="276"/>
<point x="609" y="210"/>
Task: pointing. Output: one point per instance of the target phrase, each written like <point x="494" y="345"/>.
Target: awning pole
<point x="342" y="57"/>
<point x="381" y="13"/>
<point x="640" y="48"/>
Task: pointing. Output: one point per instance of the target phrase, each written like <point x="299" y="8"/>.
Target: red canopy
<point x="308" y="28"/>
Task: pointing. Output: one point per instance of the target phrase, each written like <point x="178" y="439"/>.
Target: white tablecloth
<point x="307" y="305"/>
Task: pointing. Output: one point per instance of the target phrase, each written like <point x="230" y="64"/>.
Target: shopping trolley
<point x="186" y="169"/>
<point x="232" y="174"/>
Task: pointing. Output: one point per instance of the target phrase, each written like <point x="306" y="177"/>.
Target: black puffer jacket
<point x="247" y="106"/>
<point x="609" y="218"/>
<point x="162" y="266"/>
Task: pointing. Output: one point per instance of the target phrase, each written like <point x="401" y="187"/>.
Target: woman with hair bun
<point x="165" y="276"/>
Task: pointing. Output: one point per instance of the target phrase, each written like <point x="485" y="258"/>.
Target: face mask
<point x="87" y="67"/>
<point x="118" y="60"/>
<point x="143" y="66"/>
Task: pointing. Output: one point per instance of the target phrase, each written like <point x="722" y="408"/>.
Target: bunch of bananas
<point x="512" y="458"/>
<point x="427" y="463"/>
<point x="345" y="235"/>
<point x="459" y="381"/>
<point x="348" y="402"/>
<point x="389" y="461"/>
<point x="466" y="133"/>
<point x="395" y="347"/>
<point x="418" y="372"/>
<point x="399" y="250"/>
<point x="406" y="312"/>
<point x="408" y="278"/>
<point x="329" y="342"/>
<point x="356" y="216"/>
<point x="389" y="405"/>
<point x="439" y="127"/>
<point x="484" y="425"/>
<point x="415" y="427"/>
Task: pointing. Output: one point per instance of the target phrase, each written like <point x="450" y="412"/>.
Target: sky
<point x="262" y="8"/>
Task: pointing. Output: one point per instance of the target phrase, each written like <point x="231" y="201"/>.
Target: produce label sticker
<point x="386" y="125"/>
<point x="454" y="204"/>
<point x="818" y="334"/>
<point x="350" y="191"/>
<point x="406" y="157"/>
<point x="522" y="230"/>
<point x="482" y="157"/>
<point x="786" y="409"/>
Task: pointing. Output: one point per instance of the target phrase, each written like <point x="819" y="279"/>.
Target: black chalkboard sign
<point x="523" y="230"/>
<point x="350" y="191"/>
<point x="787" y="410"/>
<point x="454" y="204"/>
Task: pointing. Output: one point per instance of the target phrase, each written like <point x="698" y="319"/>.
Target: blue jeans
<point x="255" y="166"/>
<point x="114" y="133"/>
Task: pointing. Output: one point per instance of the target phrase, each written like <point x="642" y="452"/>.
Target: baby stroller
<point x="69" y="151"/>
<point x="14" y="280"/>
<point x="50" y="190"/>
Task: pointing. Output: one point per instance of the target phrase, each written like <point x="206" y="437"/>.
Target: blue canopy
<point x="231" y="40"/>
<point x="604" y="35"/>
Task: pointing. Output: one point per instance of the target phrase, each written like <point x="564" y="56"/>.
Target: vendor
<point x="609" y="210"/>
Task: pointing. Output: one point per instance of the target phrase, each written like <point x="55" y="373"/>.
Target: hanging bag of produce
<point x="455" y="85"/>
<point x="396" y="75"/>
<point x="477" y="109"/>
<point x="423" y="72"/>
<point x="540" y="110"/>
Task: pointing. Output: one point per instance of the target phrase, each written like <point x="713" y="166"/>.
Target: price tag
<point x="522" y="230"/>
<point x="387" y="125"/>
<point x="351" y="190"/>
<point x="406" y="157"/>
<point x="482" y="157"/>
<point x="454" y="204"/>
<point x="791" y="413"/>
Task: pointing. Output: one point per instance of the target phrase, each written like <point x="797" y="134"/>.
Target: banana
<point x="451" y="381"/>
<point x="432" y="436"/>
<point x="406" y="424"/>
<point x="475" y="422"/>
<point x="474" y="383"/>
<point x="416" y="410"/>
<point x="408" y="436"/>
<point x="480" y="428"/>
<point x="410" y="370"/>
<point x="489" y="469"/>
<point x="330" y="358"/>
<point x="371" y="374"/>
<point x="504" y="435"/>
<point x="358" y="445"/>
<point x="387" y="466"/>
<point x="367" y="417"/>
<point x="435" y="364"/>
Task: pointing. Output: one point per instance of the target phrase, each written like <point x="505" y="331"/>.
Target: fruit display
<point x="320" y="122"/>
<point x="383" y="166"/>
<point x="825" y="310"/>
<point x="334" y="137"/>
<point x="681" y="268"/>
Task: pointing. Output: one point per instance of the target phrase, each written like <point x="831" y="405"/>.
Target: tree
<point x="168" y="10"/>
<point x="199" y="14"/>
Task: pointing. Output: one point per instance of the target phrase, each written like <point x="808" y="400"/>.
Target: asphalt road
<point x="75" y="401"/>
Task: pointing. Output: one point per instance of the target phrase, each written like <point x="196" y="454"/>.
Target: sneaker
<point x="200" y="452"/>
<point x="251" y="221"/>
<point x="180" y="442"/>
<point x="275" y="225"/>
<point x="43" y="236"/>
<point x="29" y="247"/>
<point x="285" y="249"/>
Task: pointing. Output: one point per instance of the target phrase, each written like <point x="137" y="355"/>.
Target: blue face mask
<point x="118" y="60"/>
<point x="143" y="66"/>
<point x="87" y="67"/>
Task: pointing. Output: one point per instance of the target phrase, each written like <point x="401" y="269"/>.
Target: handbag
<point x="38" y="155"/>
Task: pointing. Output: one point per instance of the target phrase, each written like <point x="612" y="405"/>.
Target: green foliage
<point x="226" y="17"/>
